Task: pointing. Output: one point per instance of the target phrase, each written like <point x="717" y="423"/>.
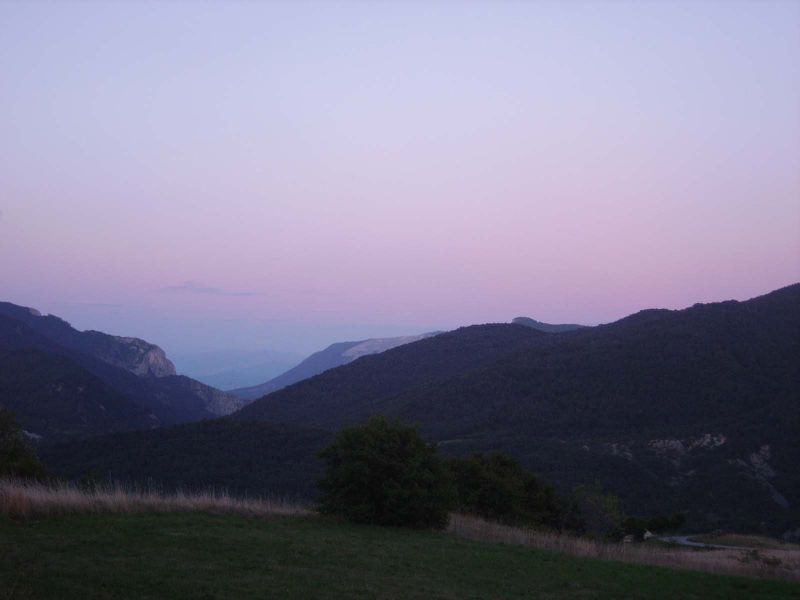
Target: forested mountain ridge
<point x="37" y="382"/>
<point x="335" y="355"/>
<point x="349" y="393"/>
<point x="56" y="399"/>
<point x="546" y="327"/>
<point x="694" y="410"/>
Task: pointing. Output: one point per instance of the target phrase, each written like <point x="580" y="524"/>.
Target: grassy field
<point x="196" y="555"/>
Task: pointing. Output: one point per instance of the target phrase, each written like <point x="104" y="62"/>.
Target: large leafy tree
<point x="384" y="473"/>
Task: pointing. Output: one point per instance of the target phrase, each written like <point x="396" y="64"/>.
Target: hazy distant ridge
<point x="335" y="355"/>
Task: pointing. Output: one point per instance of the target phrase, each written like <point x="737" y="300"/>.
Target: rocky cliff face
<point x="137" y="356"/>
<point x="214" y="401"/>
<point x="132" y="354"/>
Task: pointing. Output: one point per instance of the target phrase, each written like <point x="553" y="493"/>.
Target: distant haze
<point x="285" y="175"/>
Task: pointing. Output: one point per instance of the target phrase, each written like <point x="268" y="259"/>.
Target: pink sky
<point x="289" y="175"/>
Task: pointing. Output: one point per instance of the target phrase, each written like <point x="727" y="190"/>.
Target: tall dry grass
<point x="772" y="564"/>
<point x="25" y="499"/>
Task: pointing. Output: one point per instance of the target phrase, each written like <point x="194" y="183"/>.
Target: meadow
<point x="64" y="542"/>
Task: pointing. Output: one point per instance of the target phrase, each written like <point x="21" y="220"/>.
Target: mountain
<point x="57" y="400"/>
<point x="350" y="393"/>
<point x="270" y="458"/>
<point x="333" y="356"/>
<point x="229" y="369"/>
<point x="546" y="327"/>
<point x="44" y="377"/>
<point x="132" y="354"/>
<point x="243" y="457"/>
<point x="694" y="410"/>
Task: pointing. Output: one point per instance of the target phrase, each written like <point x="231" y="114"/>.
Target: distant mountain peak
<point x="375" y="345"/>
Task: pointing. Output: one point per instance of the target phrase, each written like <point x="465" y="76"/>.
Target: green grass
<point x="200" y="556"/>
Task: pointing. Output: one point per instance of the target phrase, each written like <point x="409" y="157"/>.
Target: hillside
<point x="132" y="354"/>
<point x="690" y="405"/>
<point x="694" y="410"/>
<point x="331" y="357"/>
<point x="58" y="400"/>
<point x="214" y="556"/>
<point x="253" y="458"/>
<point x="546" y="327"/>
<point x="151" y="400"/>
<point x="350" y="392"/>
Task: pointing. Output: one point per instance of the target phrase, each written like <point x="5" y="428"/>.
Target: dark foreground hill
<point x="695" y="410"/>
<point x="60" y="392"/>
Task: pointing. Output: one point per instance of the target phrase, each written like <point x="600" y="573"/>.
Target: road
<point x="686" y="540"/>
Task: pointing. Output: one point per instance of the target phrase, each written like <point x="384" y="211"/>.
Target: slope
<point x="164" y="400"/>
<point x="335" y="355"/>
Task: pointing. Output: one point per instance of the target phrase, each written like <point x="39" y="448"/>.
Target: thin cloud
<point x="195" y="287"/>
<point x="91" y="304"/>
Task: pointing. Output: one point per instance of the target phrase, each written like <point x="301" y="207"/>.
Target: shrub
<point x="384" y="473"/>
<point x="496" y="487"/>
<point x="17" y="458"/>
<point x="600" y="512"/>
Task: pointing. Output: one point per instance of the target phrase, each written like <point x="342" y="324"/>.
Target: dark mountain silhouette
<point x="244" y="457"/>
<point x="132" y="354"/>
<point x="152" y="400"/>
<point x="695" y="410"/>
<point x="331" y="357"/>
<point x="58" y="400"/>
<point x="546" y="327"/>
<point x="349" y="393"/>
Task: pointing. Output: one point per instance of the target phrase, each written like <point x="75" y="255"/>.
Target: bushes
<point x="495" y="486"/>
<point x="17" y="458"/>
<point x="384" y="473"/>
<point x="600" y="512"/>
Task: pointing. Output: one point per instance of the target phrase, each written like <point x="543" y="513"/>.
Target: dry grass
<point x="22" y="500"/>
<point x="772" y="564"/>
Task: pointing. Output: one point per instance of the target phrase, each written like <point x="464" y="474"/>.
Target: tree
<point x="494" y="486"/>
<point x="17" y="458"/>
<point x="384" y="473"/>
<point x="600" y="512"/>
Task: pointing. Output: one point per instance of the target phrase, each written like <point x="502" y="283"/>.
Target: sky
<point x="285" y="175"/>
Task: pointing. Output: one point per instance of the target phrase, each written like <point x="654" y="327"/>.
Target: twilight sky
<point x="242" y="175"/>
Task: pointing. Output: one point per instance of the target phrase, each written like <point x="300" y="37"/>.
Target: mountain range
<point x="694" y="410"/>
<point x="331" y="357"/>
<point x="63" y="383"/>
